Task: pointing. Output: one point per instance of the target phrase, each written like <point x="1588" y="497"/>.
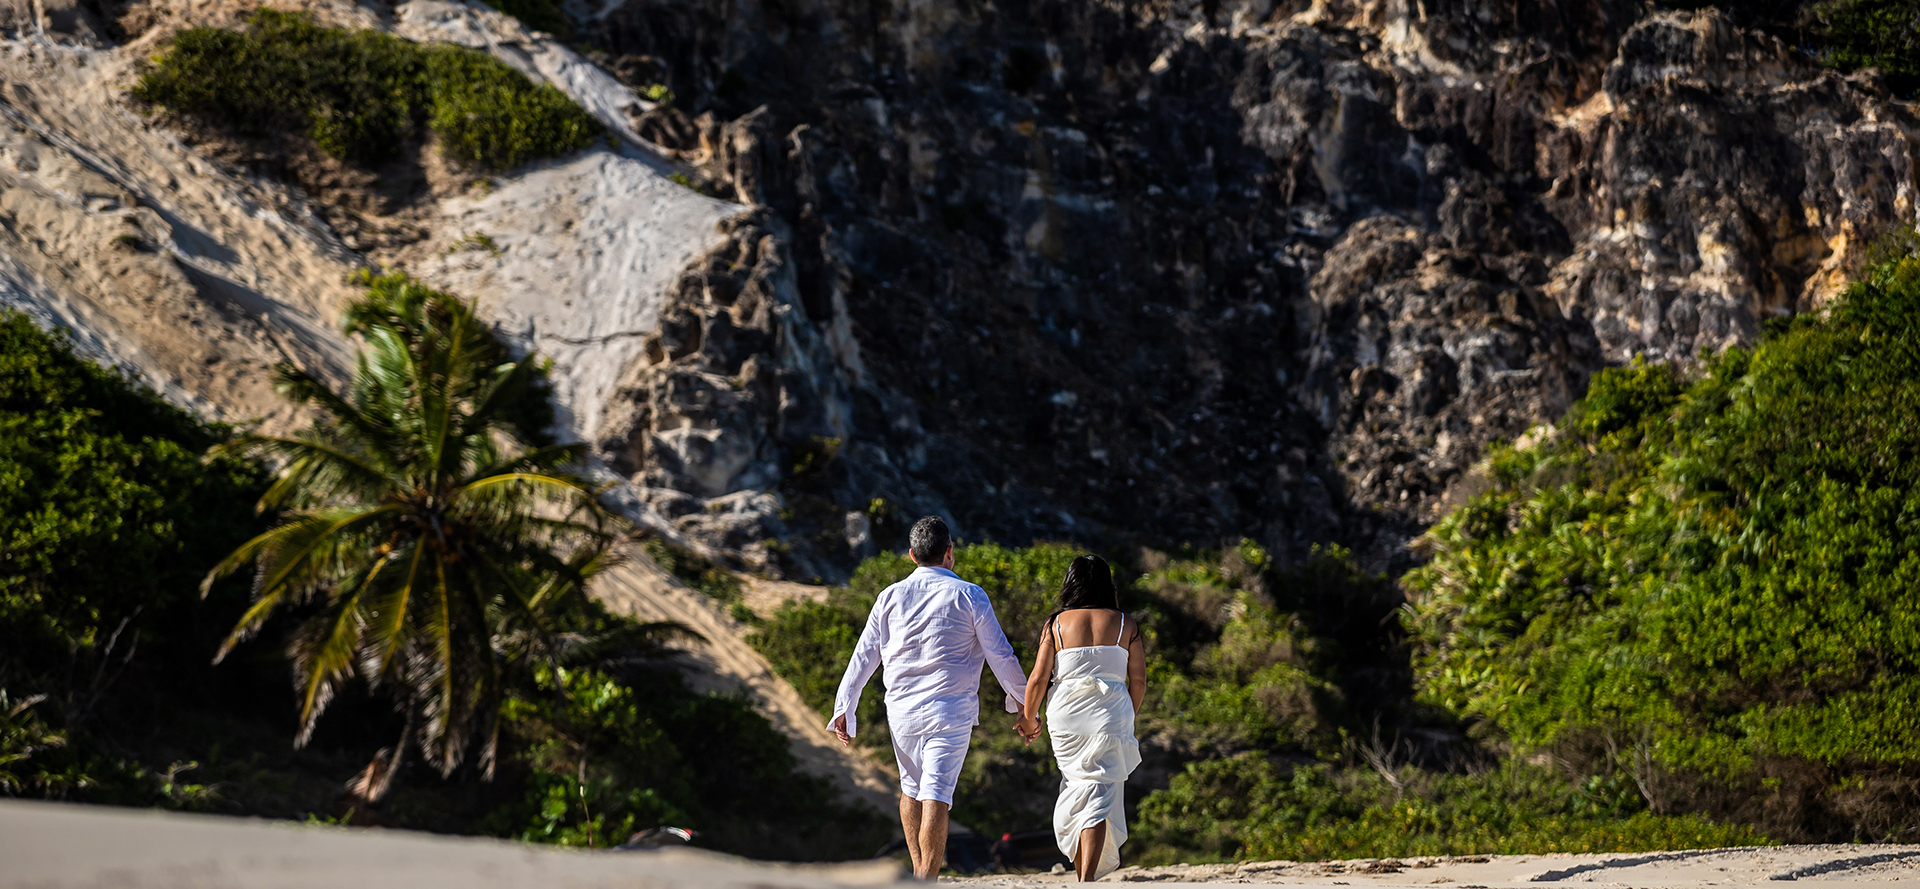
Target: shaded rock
<point x="1181" y="272"/>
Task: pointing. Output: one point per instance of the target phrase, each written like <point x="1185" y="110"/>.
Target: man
<point x="931" y="631"/>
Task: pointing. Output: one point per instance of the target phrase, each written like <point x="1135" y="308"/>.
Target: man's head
<point x="930" y="544"/>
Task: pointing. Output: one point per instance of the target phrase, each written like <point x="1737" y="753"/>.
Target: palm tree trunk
<point x="373" y="782"/>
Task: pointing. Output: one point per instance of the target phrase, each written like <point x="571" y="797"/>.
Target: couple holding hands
<point x="932" y="631"/>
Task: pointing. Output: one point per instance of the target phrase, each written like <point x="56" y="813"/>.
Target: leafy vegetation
<point x="716" y="582"/>
<point x="1882" y="34"/>
<point x="537" y="15"/>
<point x="363" y="95"/>
<point x="1249" y="710"/>
<point x="107" y="513"/>
<point x="1710" y="578"/>
<point x="1246" y="807"/>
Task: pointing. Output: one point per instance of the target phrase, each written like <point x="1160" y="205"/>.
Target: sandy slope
<point x="724" y="662"/>
<point x="196" y="279"/>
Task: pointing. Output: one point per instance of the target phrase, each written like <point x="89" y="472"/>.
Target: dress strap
<point x="1058" y="643"/>
<point x="1123" y="629"/>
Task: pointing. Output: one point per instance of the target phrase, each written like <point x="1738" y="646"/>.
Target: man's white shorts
<point x="930" y="763"/>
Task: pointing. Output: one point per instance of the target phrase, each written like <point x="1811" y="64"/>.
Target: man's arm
<point x="860" y="667"/>
<point x="993" y="640"/>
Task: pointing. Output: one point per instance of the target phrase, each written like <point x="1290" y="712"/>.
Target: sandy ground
<point x="63" y="846"/>
<point x="1834" y="865"/>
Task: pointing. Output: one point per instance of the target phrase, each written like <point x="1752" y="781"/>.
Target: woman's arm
<point x="1037" y="682"/>
<point x="1136" y="667"/>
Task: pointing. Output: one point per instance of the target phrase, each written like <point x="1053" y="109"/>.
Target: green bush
<point x="363" y="95"/>
<point x="1883" y="34"/>
<point x="1246" y="807"/>
<point x="605" y="755"/>
<point x="537" y="15"/>
<point x="712" y="580"/>
<point x="1713" y="574"/>
<point x="108" y="516"/>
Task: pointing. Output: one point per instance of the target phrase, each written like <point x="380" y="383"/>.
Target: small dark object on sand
<point x="967" y="851"/>
<point x="655" y="837"/>
<point x="1027" y="850"/>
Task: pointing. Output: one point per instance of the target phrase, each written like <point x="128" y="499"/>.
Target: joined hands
<point x="1028" y="726"/>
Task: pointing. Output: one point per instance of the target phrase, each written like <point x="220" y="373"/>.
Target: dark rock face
<point x="1186" y="272"/>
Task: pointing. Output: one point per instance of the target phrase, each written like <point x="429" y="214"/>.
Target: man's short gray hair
<point x="928" y="541"/>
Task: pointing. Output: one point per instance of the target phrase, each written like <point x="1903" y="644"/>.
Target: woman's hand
<point x="1028" y="726"/>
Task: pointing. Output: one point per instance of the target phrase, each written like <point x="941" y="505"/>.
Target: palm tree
<point x="430" y="527"/>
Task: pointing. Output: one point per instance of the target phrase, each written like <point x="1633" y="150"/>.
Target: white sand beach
<point x="63" y="846"/>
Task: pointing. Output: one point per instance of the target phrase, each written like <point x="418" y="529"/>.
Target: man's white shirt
<point x="932" y="631"/>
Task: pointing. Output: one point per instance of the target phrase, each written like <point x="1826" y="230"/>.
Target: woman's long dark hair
<point x="1089" y="584"/>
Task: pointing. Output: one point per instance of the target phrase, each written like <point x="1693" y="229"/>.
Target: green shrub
<point x="363" y="95"/>
<point x="108" y="517"/>
<point x="537" y="15"/>
<point x="108" y="514"/>
<point x="606" y="755"/>
<point x="1246" y="807"/>
<point x="712" y="580"/>
<point x="489" y="114"/>
<point x="1712" y="574"/>
<point x="1884" y="34"/>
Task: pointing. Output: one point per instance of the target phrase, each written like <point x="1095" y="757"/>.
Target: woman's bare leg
<point x="1092" y="841"/>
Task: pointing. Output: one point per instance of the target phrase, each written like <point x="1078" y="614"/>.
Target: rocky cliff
<point x="1187" y="271"/>
<point x="1118" y="272"/>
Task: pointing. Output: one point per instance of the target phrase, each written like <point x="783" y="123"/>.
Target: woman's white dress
<point x="1090" y="721"/>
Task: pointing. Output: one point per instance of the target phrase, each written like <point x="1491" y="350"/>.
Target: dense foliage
<point x="1880" y="34"/>
<point x="537" y="15"/>
<point x="107" y="516"/>
<point x="363" y="95"/>
<point x="1250" y="728"/>
<point x="1711" y="579"/>
<point x="1246" y="807"/>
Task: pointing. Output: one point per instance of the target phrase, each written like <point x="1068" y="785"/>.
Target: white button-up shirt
<point x="932" y="631"/>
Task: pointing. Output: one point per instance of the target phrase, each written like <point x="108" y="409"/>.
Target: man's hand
<point x="839" y="726"/>
<point x="1028" y="727"/>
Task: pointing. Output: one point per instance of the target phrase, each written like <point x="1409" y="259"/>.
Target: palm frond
<point x="388" y="614"/>
<point x="323" y="655"/>
<point x="566" y="487"/>
<point x="283" y="550"/>
<point x="302" y="387"/>
<point x="315" y="470"/>
<point x="543" y="460"/>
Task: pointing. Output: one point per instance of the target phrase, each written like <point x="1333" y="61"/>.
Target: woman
<point x="1092" y="663"/>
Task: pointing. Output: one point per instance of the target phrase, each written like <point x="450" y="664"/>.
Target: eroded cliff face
<point x="1152" y="271"/>
<point x="1117" y="272"/>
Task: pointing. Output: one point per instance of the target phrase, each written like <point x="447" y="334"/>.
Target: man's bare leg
<point x="910" y="827"/>
<point x="1093" y="840"/>
<point x="933" y="840"/>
